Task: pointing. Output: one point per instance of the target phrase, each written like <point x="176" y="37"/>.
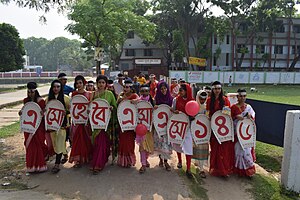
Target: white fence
<point x="238" y="77"/>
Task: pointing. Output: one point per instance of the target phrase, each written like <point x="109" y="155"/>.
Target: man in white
<point x="118" y="84"/>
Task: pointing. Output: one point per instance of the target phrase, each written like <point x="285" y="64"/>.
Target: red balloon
<point x="141" y="129"/>
<point x="192" y="108"/>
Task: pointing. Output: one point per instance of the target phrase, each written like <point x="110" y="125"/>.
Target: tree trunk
<point x="295" y="60"/>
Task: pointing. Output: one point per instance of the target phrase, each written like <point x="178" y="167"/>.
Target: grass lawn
<point x="5" y="90"/>
<point x="10" y="130"/>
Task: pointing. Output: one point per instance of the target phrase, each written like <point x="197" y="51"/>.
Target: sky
<point x="27" y="22"/>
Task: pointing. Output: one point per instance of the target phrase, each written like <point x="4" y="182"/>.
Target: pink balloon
<point x="141" y="130"/>
<point x="192" y="108"/>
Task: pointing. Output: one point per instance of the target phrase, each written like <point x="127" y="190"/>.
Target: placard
<point x="99" y="114"/>
<point x="272" y="77"/>
<point x="31" y="117"/>
<point x="256" y="77"/>
<point x="222" y="126"/>
<point x="194" y="76"/>
<point x="241" y="77"/>
<point x="210" y="77"/>
<point x="127" y="115"/>
<point x="145" y="114"/>
<point x="177" y="127"/>
<point x="201" y="129"/>
<point x="161" y="117"/>
<point x="55" y="114"/>
<point x="246" y="132"/>
<point x="79" y="109"/>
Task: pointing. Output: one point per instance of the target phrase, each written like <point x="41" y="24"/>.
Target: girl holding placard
<point x="126" y="155"/>
<point x="184" y="96"/>
<point x="36" y="149"/>
<point x="59" y="137"/>
<point x="81" y="151"/>
<point x="221" y="155"/>
<point x="101" y="138"/>
<point x="161" y="145"/>
<point x="244" y="158"/>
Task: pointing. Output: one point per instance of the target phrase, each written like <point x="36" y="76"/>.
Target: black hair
<point x="61" y="75"/>
<point x="60" y="97"/>
<point x="90" y="82"/>
<point x="102" y="77"/>
<point x="77" y="78"/>
<point x="144" y="85"/>
<point x="241" y="90"/>
<point x="32" y="86"/>
<point x="213" y="98"/>
<point x="110" y="81"/>
<point x="183" y="86"/>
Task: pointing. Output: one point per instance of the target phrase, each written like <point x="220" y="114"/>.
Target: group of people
<point x="95" y="147"/>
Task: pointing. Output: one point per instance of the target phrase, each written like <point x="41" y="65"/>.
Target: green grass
<point x="267" y="187"/>
<point x="269" y="156"/>
<point x="194" y="184"/>
<point x="5" y="90"/>
<point x="10" y="130"/>
<point x="287" y="94"/>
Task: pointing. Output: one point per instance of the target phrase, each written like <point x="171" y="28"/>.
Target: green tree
<point x="33" y="49"/>
<point x="11" y="48"/>
<point x="105" y="23"/>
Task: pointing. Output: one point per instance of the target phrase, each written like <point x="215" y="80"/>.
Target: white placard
<point x="201" y="129"/>
<point x="177" y="74"/>
<point x="272" y="77"/>
<point x="177" y="127"/>
<point x="287" y="77"/>
<point x="127" y="115"/>
<point x="99" y="114"/>
<point x="256" y="77"/>
<point x="79" y="109"/>
<point x="222" y="126"/>
<point x="161" y="117"/>
<point x="54" y="115"/>
<point x="241" y="77"/>
<point x="145" y="114"/>
<point x="31" y="117"/>
<point x="246" y="132"/>
<point x="194" y="76"/>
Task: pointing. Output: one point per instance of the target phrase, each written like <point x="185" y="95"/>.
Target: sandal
<point x="179" y="165"/>
<point x="142" y="170"/>
<point x="167" y="166"/>
<point x="55" y="169"/>
<point x="202" y="174"/>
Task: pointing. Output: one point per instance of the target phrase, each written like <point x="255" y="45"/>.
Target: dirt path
<point x="118" y="183"/>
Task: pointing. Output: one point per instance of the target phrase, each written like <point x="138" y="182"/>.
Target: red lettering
<point x="197" y="132"/>
<point x="98" y="113"/>
<point x="161" y="115"/>
<point x="180" y="129"/>
<point x="126" y="112"/>
<point x="34" y="114"/>
<point x="247" y="132"/>
<point x="54" y="114"/>
<point x="81" y="108"/>
<point x="222" y="130"/>
<point x="145" y="115"/>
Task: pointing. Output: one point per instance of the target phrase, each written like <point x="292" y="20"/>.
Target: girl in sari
<point x="126" y="155"/>
<point x="101" y="138"/>
<point x="36" y="149"/>
<point x="81" y="151"/>
<point x="161" y="145"/>
<point x="244" y="159"/>
<point x="59" y="138"/>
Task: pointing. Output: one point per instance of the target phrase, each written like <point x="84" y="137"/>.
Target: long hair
<point x="36" y="96"/>
<point x="77" y="78"/>
<point x="213" y="99"/>
<point x="60" y="96"/>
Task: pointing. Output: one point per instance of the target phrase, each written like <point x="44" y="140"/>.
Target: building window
<point x="241" y="48"/>
<point x="294" y="49"/>
<point x="278" y="49"/>
<point x="296" y="28"/>
<point x="260" y="49"/>
<point x="215" y="39"/>
<point x="227" y="39"/>
<point x="129" y="52"/>
<point x="148" y="52"/>
<point x="125" y="66"/>
<point x="227" y="59"/>
<point x="280" y="27"/>
<point x="243" y="27"/>
<point x="130" y="35"/>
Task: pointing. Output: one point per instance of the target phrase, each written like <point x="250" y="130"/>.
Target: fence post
<point x="290" y="173"/>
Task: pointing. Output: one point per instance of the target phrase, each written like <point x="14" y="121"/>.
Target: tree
<point x="11" y="48"/>
<point x="105" y="23"/>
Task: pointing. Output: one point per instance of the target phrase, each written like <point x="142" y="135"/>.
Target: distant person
<point x="63" y="79"/>
<point x="126" y="77"/>
<point x="207" y="89"/>
<point x="118" y="84"/>
<point x="90" y="86"/>
<point x="230" y="81"/>
<point x="136" y="85"/>
<point x="174" y="87"/>
<point x="152" y="83"/>
<point x="110" y="87"/>
<point x="141" y="79"/>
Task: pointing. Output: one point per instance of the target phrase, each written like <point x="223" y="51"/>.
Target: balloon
<point x="192" y="108"/>
<point x="141" y="130"/>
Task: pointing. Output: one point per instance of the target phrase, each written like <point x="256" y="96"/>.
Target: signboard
<point x="195" y="77"/>
<point x="241" y="77"/>
<point x="127" y="115"/>
<point x="256" y="77"/>
<point x="55" y="114"/>
<point x="99" y="114"/>
<point x="161" y="117"/>
<point x="210" y="77"/>
<point x="197" y="61"/>
<point x="177" y="127"/>
<point x="177" y="74"/>
<point x="79" y="109"/>
<point x="201" y="129"/>
<point x="272" y="77"/>
<point x="246" y="132"/>
<point x="31" y="117"/>
<point x="145" y="114"/>
<point x="148" y="61"/>
<point x="222" y="126"/>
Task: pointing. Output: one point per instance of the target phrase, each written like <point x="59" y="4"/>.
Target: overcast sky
<point x="27" y="22"/>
